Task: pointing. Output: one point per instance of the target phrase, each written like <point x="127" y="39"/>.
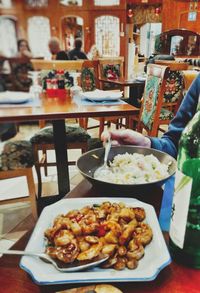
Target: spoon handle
<point x="107" y="146"/>
<point x="21" y="252"/>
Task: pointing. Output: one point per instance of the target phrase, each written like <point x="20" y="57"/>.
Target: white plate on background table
<point x="155" y="259"/>
<point x="98" y="95"/>
<point x="9" y="97"/>
<point x="141" y="78"/>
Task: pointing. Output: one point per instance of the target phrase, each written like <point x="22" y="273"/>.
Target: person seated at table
<point x="169" y="141"/>
<point x="77" y="53"/>
<point x="57" y="53"/>
<point x="23" y="49"/>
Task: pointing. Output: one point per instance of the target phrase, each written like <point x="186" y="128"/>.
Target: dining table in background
<point x="136" y="88"/>
<point x="174" y="278"/>
<point x="57" y="110"/>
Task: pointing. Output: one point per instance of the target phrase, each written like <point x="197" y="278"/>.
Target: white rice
<point x="133" y="169"/>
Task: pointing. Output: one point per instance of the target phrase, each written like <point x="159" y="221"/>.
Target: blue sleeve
<point x="169" y="141"/>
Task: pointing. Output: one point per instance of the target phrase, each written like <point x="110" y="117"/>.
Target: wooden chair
<point x="39" y="140"/>
<point x="89" y="81"/>
<point x="76" y="137"/>
<point x="188" y="77"/>
<point x="69" y="65"/>
<point x="16" y="160"/>
<point x="47" y="65"/>
<point x="173" y="93"/>
<point x="90" y="72"/>
<point x="19" y="73"/>
<point x="111" y="68"/>
<point x="43" y="140"/>
<point x="152" y="99"/>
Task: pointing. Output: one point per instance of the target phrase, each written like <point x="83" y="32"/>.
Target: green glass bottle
<point x="184" y="243"/>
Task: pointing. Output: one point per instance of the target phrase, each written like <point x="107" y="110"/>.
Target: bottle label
<point x="180" y="207"/>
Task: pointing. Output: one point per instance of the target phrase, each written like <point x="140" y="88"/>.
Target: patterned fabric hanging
<point x="174" y="85"/>
<point x="150" y="100"/>
<point x="88" y="80"/>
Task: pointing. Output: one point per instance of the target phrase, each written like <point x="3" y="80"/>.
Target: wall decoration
<point x="106" y="2"/>
<point x="71" y="2"/>
<point x="107" y="35"/>
<point x="36" y="3"/>
<point x="143" y="14"/>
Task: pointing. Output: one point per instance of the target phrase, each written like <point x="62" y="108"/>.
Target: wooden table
<point x="136" y="88"/>
<point x="173" y="279"/>
<point x="121" y="81"/>
<point x="57" y="110"/>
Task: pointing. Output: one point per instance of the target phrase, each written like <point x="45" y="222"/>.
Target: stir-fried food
<point x="111" y="229"/>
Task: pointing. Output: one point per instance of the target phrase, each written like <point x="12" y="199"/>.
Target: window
<point x="5" y="3"/>
<point x="106" y="2"/>
<point x="39" y="35"/>
<point x="71" y="2"/>
<point x="72" y="27"/>
<point x="107" y="35"/>
<point x="8" y="38"/>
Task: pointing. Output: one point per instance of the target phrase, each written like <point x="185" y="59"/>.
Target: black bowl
<point x="90" y="161"/>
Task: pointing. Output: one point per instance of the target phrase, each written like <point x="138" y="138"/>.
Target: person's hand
<point x="27" y="53"/>
<point x="126" y="137"/>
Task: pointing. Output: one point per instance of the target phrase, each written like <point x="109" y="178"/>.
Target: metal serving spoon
<point x="59" y="265"/>
<point x="104" y="167"/>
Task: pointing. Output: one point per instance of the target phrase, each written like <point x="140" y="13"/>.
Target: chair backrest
<point x="16" y="154"/>
<point x="174" y="84"/>
<point x="89" y="75"/>
<point x="152" y="98"/>
<point x="111" y="67"/>
<point x="19" y="73"/>
<point x="188" y="77"/>
<point x="73" y="65"/>
<point x="51" y="66"/>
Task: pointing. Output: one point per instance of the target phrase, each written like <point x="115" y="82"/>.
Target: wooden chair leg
<point x="44" y="153"/>
<point x="31" y="189"/>
<point x="38" y="172"/>
<point x="37" y="169"/>
<point x="139" y="127"/>
<point x="83" y="122"/>
<point x="42" y="123"/>
<point x="84" y="149"/>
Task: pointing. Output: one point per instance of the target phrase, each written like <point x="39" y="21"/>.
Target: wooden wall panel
<point x="55" y="12"/>
<point x="149" y="2"/>
<point x="174" y="15"/>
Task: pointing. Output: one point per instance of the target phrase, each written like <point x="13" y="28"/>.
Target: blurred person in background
<point x="54" y="48"/>
<point x="23" y="49"/>
<point x="77" y="53"/>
